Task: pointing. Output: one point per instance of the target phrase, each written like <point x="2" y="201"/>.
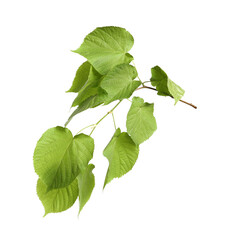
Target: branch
<point x="111" y="111"/>
<point x="190" y="104"/>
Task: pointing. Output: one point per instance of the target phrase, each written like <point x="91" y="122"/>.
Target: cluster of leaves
<point x="61" y="160"/>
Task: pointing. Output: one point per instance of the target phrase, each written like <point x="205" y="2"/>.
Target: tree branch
<point x="190" y="104"/>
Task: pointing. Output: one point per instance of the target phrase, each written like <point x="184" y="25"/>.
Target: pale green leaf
<point x="141" y="122"/>
<point x="164" y="85"/>
<point x="90" y="102"/>
<point x="84" y="147"/>
<point x="119" y="83"/>
<point x="91" y="88"/>
<point x="56" y="157"/>
<point x="107" y="47"/>
<point x="121" y="153"/>
<point x="57" y="200"/>
<point x="81" y="77"/>
<point x="86" y="182"/>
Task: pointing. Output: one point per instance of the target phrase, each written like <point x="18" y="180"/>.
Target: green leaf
<point x="55" y="158"/>
<point x="86" y="182"/>
<point x="119" y="83"/>
<point x="57" y="200"/>
<point x="164" y="85"/>
<point x="57" y="155"/>
<point x="92" y="87"/>
<point x="84" y="146"/>
<point x="121" y="153"/>
<point x="107" y="47"/>
<point x="141" y="122"/>
<point x="90" y="102"/>
<point x="81" y="77"/>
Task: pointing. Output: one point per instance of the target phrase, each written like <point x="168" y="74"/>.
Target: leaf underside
<point x="164" y="85"/>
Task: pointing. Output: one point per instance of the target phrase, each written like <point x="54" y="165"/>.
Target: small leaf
<point x="121" y="153"/>
<point x="141" y="122"/>
<point x="90" y="102"/>
<point x="86" y="182"/>
<point x="84" y="145"/>
<point x="119" y="83"/>
<point x="81" y="77"/>
<point x="164" y="85"/>
<point x="107" y="47"/>
<point x="57" y="155"/>
<point x="57" y="200"/>
<point x="92" y="87"/>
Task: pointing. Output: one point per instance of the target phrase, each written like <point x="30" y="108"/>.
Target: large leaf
<point x="57" y="200"/>
<point x="164" y="85"/>
<point x="119" y="83"/>
<point x="91" y="88"/>
<point x="107" y="47"/>
<point x="121" y="153"/>
<point x="141" y="122"/>
<point x="81" y="77"/>
<point x="86" y="182"/>
<point x="56" y="157"/>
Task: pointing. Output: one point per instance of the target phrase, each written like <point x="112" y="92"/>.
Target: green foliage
<point x="86" y="183"/>
<point x="91" y="88"/>
<point x="57" y="200"/>
<point x="164" y="85"/>
<point x="61" y="160"/>
<point x="107" y="47"/>
<point x="119" y="82"/>
<point x="84" y="146"/>
<point x="81" y="77"/>
<point x="121" y="153"/>
<point x="54" y="158"/>
<point x="141" y="122"/>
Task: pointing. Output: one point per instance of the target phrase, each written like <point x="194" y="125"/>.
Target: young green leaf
<point x="86" y="182"/>
<point x="84" y="146"/>
<point x="57" y="156"/>
<point x="90" y="102"/>
<point x="92" y="87"/>
<point x="141" y="122"/>
<point x="81" y="77"/>
<point x="57" y="200"/>
<point x="121" y="153"/>
<point x="119" y="83"/>
<point x="107" y="47"/>
<point x="164" y="85"/>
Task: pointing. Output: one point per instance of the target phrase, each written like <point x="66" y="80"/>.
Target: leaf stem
<point x="190" y="104"/>
<point x="111" y="111"/>
<point x="113" y="119"/>
<point x="146" y="82"/>
<point x="84" y="128"/>
<point x="128" y="99"/>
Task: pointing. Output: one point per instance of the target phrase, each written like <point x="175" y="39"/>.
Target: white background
<point x="177" y="188"/>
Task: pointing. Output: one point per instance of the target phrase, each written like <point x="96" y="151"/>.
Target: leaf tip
<point x="45" y="214"/>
